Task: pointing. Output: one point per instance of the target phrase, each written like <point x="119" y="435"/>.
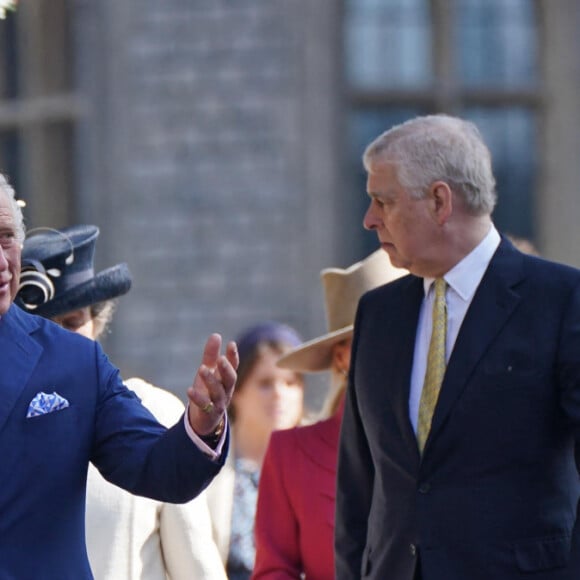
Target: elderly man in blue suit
<point x="456" y="458"/>
<point x="63" y="406"/>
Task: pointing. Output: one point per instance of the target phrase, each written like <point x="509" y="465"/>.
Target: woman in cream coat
<point x="137" y="538"/>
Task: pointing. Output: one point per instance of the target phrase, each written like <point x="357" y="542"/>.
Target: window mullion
<point x="447" y="92"/>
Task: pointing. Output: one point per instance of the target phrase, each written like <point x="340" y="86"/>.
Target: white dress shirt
<point x="462" y="282"/>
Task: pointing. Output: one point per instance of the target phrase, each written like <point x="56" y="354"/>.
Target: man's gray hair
<point x="7" y="189"/>
<point x="438" y="148"/>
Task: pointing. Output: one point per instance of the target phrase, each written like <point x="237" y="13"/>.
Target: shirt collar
<point x="465" y="276"/>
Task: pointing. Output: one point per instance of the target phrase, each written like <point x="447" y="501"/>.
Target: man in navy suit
<point x="471" y="476"/>
<point x="63" y="405"/>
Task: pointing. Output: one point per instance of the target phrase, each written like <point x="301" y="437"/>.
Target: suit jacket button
<point x="425" y="488"/>
<point x="412" y="549"/>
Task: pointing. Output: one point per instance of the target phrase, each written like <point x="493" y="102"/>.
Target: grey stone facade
<point x="195" y="164"/>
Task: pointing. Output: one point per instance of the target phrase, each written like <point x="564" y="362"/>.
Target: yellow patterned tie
<point x="435" y="364"/>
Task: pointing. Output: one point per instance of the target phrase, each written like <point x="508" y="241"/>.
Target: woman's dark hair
<point x="255" y="341"/>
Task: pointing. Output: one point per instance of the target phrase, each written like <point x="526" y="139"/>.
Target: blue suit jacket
<point x="44" y="459"/>
<point x="495" y="494"/>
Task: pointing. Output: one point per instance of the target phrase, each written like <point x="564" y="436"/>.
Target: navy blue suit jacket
<point x="495" y="494"/>
<point x="44" y="459"/>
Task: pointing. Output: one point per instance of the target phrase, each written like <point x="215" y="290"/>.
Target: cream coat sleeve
<point x="185" y="530"/>
<point x="187" y="543"/>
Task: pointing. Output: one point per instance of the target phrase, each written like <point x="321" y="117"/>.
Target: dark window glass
<point x="9" y="155"/>
<point x="497" y="43"/>
<point x="510" y="134"/>
<point x="8" y="61"/>
<point x="387" y="43"/>
<point x="38" y="109"/>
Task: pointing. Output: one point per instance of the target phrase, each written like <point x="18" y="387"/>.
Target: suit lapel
<point x="493" y="303"/>
<point x="19" y="355"/>
<point x="400" y="359"/>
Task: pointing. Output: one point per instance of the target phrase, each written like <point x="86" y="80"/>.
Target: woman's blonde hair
<point x="336" y="389"/>
<point x="102" y="315"/>
<point x="338" y="384"/>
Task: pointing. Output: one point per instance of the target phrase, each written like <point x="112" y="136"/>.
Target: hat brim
<point x="106" y="285"/>
<point x="316" y="354"/>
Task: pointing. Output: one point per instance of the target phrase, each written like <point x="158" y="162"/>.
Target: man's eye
<point x="7" y="239"/>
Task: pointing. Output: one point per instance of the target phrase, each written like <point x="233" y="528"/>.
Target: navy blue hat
<point x="58" y="272"/>
<point x="269" y="331"/>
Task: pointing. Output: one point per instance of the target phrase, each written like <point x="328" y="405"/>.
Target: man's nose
<point x="369" y="220"/>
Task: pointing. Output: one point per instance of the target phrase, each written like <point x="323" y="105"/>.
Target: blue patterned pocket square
<point x="44" y="403"/>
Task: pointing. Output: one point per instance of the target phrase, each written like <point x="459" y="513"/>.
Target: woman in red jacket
<point x="294" y="525"/>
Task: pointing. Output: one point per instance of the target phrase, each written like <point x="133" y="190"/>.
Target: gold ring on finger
<point x="207" y="407"/>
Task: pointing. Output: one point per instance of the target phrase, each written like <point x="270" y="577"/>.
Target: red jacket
<point x="296" y="500"/>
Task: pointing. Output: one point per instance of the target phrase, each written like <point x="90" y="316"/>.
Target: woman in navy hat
<point x="128" y="537"/>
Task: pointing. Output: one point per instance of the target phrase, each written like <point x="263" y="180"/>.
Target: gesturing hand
<point x="213" y="386"/>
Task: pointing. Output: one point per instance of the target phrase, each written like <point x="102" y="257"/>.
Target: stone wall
<point x="195" y="161"/>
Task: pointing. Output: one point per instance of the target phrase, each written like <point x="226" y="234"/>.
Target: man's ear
<point x="441" y="201"/>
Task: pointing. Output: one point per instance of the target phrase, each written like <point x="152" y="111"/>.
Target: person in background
<point x="523" y="245"/>
<point x="267" y="398"/>
<point x="129" y="537"/>
<point x="64" y="405"/>
<point x="295" y="514"/>
<point x="456" y="455"/>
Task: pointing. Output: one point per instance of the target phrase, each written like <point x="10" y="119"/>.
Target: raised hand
<point x="213" y="386"/>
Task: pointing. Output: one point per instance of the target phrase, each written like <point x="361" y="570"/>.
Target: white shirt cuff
<point x="204" y="447"/>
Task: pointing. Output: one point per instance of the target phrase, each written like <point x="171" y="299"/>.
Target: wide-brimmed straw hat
<point x="58" y="272"/>
<point x="342" y="291"/>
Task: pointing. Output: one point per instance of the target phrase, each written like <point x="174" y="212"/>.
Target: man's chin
<point x="392" y="253"/>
